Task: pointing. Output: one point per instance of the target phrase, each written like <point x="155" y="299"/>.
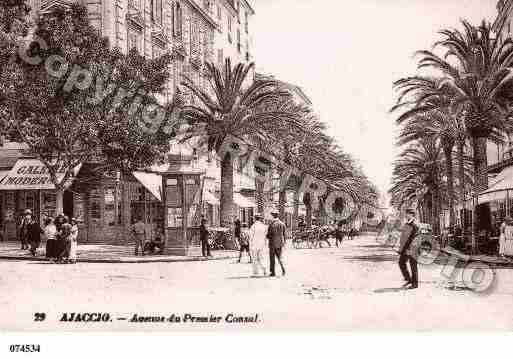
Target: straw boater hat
<point x="274" y="211"/>
<point x="28" y="211"/>
<point x="259" y="215"/>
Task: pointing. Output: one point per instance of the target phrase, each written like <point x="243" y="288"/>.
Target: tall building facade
<point x="194" y="31"/>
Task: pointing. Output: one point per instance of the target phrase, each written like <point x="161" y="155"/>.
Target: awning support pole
<point x="508" y="210"/>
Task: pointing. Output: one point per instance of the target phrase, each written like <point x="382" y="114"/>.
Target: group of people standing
<point x="60" y="234"/>
<point x="259" y="241"/>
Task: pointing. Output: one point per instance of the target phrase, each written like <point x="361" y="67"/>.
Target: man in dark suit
<point x="204" y="234"/>
<point x="32" y="232"/>
<point x="276" y="236"/>
<point x="408" y="233"/>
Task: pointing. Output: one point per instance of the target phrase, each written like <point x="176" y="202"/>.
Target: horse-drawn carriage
<point x="313" y="238"/>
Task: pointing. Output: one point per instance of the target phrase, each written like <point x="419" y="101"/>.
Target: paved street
<point x="353" y="287"/>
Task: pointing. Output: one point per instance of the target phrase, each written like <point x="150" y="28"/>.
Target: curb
<point x="117" y="261"/>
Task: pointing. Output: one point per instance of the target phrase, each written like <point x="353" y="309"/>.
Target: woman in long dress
<point x="258" y="245"/>
<point x="507" y="247"/>
<point x="502" y="237"/>
<point x="73" y="241"/>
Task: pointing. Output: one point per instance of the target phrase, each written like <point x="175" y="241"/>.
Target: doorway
<point x="67" y="205"/>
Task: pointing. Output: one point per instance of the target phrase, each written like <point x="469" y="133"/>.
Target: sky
<point x="346" y="54"/>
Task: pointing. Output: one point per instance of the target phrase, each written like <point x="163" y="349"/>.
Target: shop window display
<point x="94" y="200"/>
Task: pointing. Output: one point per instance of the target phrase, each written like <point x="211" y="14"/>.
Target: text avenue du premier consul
<point x="172" y="318"/>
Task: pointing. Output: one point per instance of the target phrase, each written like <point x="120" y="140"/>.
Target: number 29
<point x="39" y="317"/>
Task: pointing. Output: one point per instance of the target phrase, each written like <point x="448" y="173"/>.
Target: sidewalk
<point x="102" y="253"/>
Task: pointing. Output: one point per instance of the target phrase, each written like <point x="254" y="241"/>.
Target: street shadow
<point x="389" y="290"/>
<point x="249" y="277"/>
<point x="371" y="258"/>
<point x="47" y="263"/>
<point x="381" y="246"/>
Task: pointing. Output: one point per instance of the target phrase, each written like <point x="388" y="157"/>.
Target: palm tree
<point x="417" y="174"/>
<point x="443" y="127"/>
<point x="232" y="110"/>
<point x="479" y="82"/>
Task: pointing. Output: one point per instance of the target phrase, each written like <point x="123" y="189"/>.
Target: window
<point x="134" y="40"/>
<point x="177" y="20"/>
<point x="238" y="10"/>
<point x="156" y="11"/>
<point x="194" y="39"/>
<point x="94" y="204"/>
<point x="238" y="41"/>
<point x="218" y="12"/>
<point x="220" y="58"/>
<point x="135" y="4"/>
<point x="246" y="22"/>
<point x="157" y="52"/>
<point x="207" y="5"/>
<point x="229" y="29"/>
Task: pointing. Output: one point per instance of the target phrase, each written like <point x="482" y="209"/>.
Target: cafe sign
<point x="32" y="174"/>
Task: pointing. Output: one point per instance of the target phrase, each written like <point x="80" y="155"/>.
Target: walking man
<point x="408" y="233"/>
<point x="276" y="236"/>
<point x="204" y="234"/>
<point x="257" y="244"/>
<point x="139" y="230"/>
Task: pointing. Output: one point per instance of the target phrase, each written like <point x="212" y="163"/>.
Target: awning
<point x="152" y="182"/>
<point x="32" y="174"/>
<point x="210" y="198"/>
<point x="3" y="174"/>
<point x="498" y="187"/>
<point x="242" y="201"/>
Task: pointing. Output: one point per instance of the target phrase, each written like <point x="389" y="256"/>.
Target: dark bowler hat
<point x="410" y="211"/>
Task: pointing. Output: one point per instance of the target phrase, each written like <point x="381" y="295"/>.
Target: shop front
<point x="28" y="186"/>
<point x="492" y="206"/>
<point x="108" y="204"/>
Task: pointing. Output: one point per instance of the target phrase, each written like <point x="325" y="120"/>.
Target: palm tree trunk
<point x="308" y="206"/>
<point x="226" y="201"/>
<point x="450" y="184"/>
<point x="429" y="210"/>
<point x="282" y="200"/>
<point x="308" y="215"/>
<point x="480" y="164"/>
<point x="259" y="185"/>
<point x="295" y="215"/>
<point x="480" y="179"/>
<point x="436" y="212"/>
<point x="461" y="172"/>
